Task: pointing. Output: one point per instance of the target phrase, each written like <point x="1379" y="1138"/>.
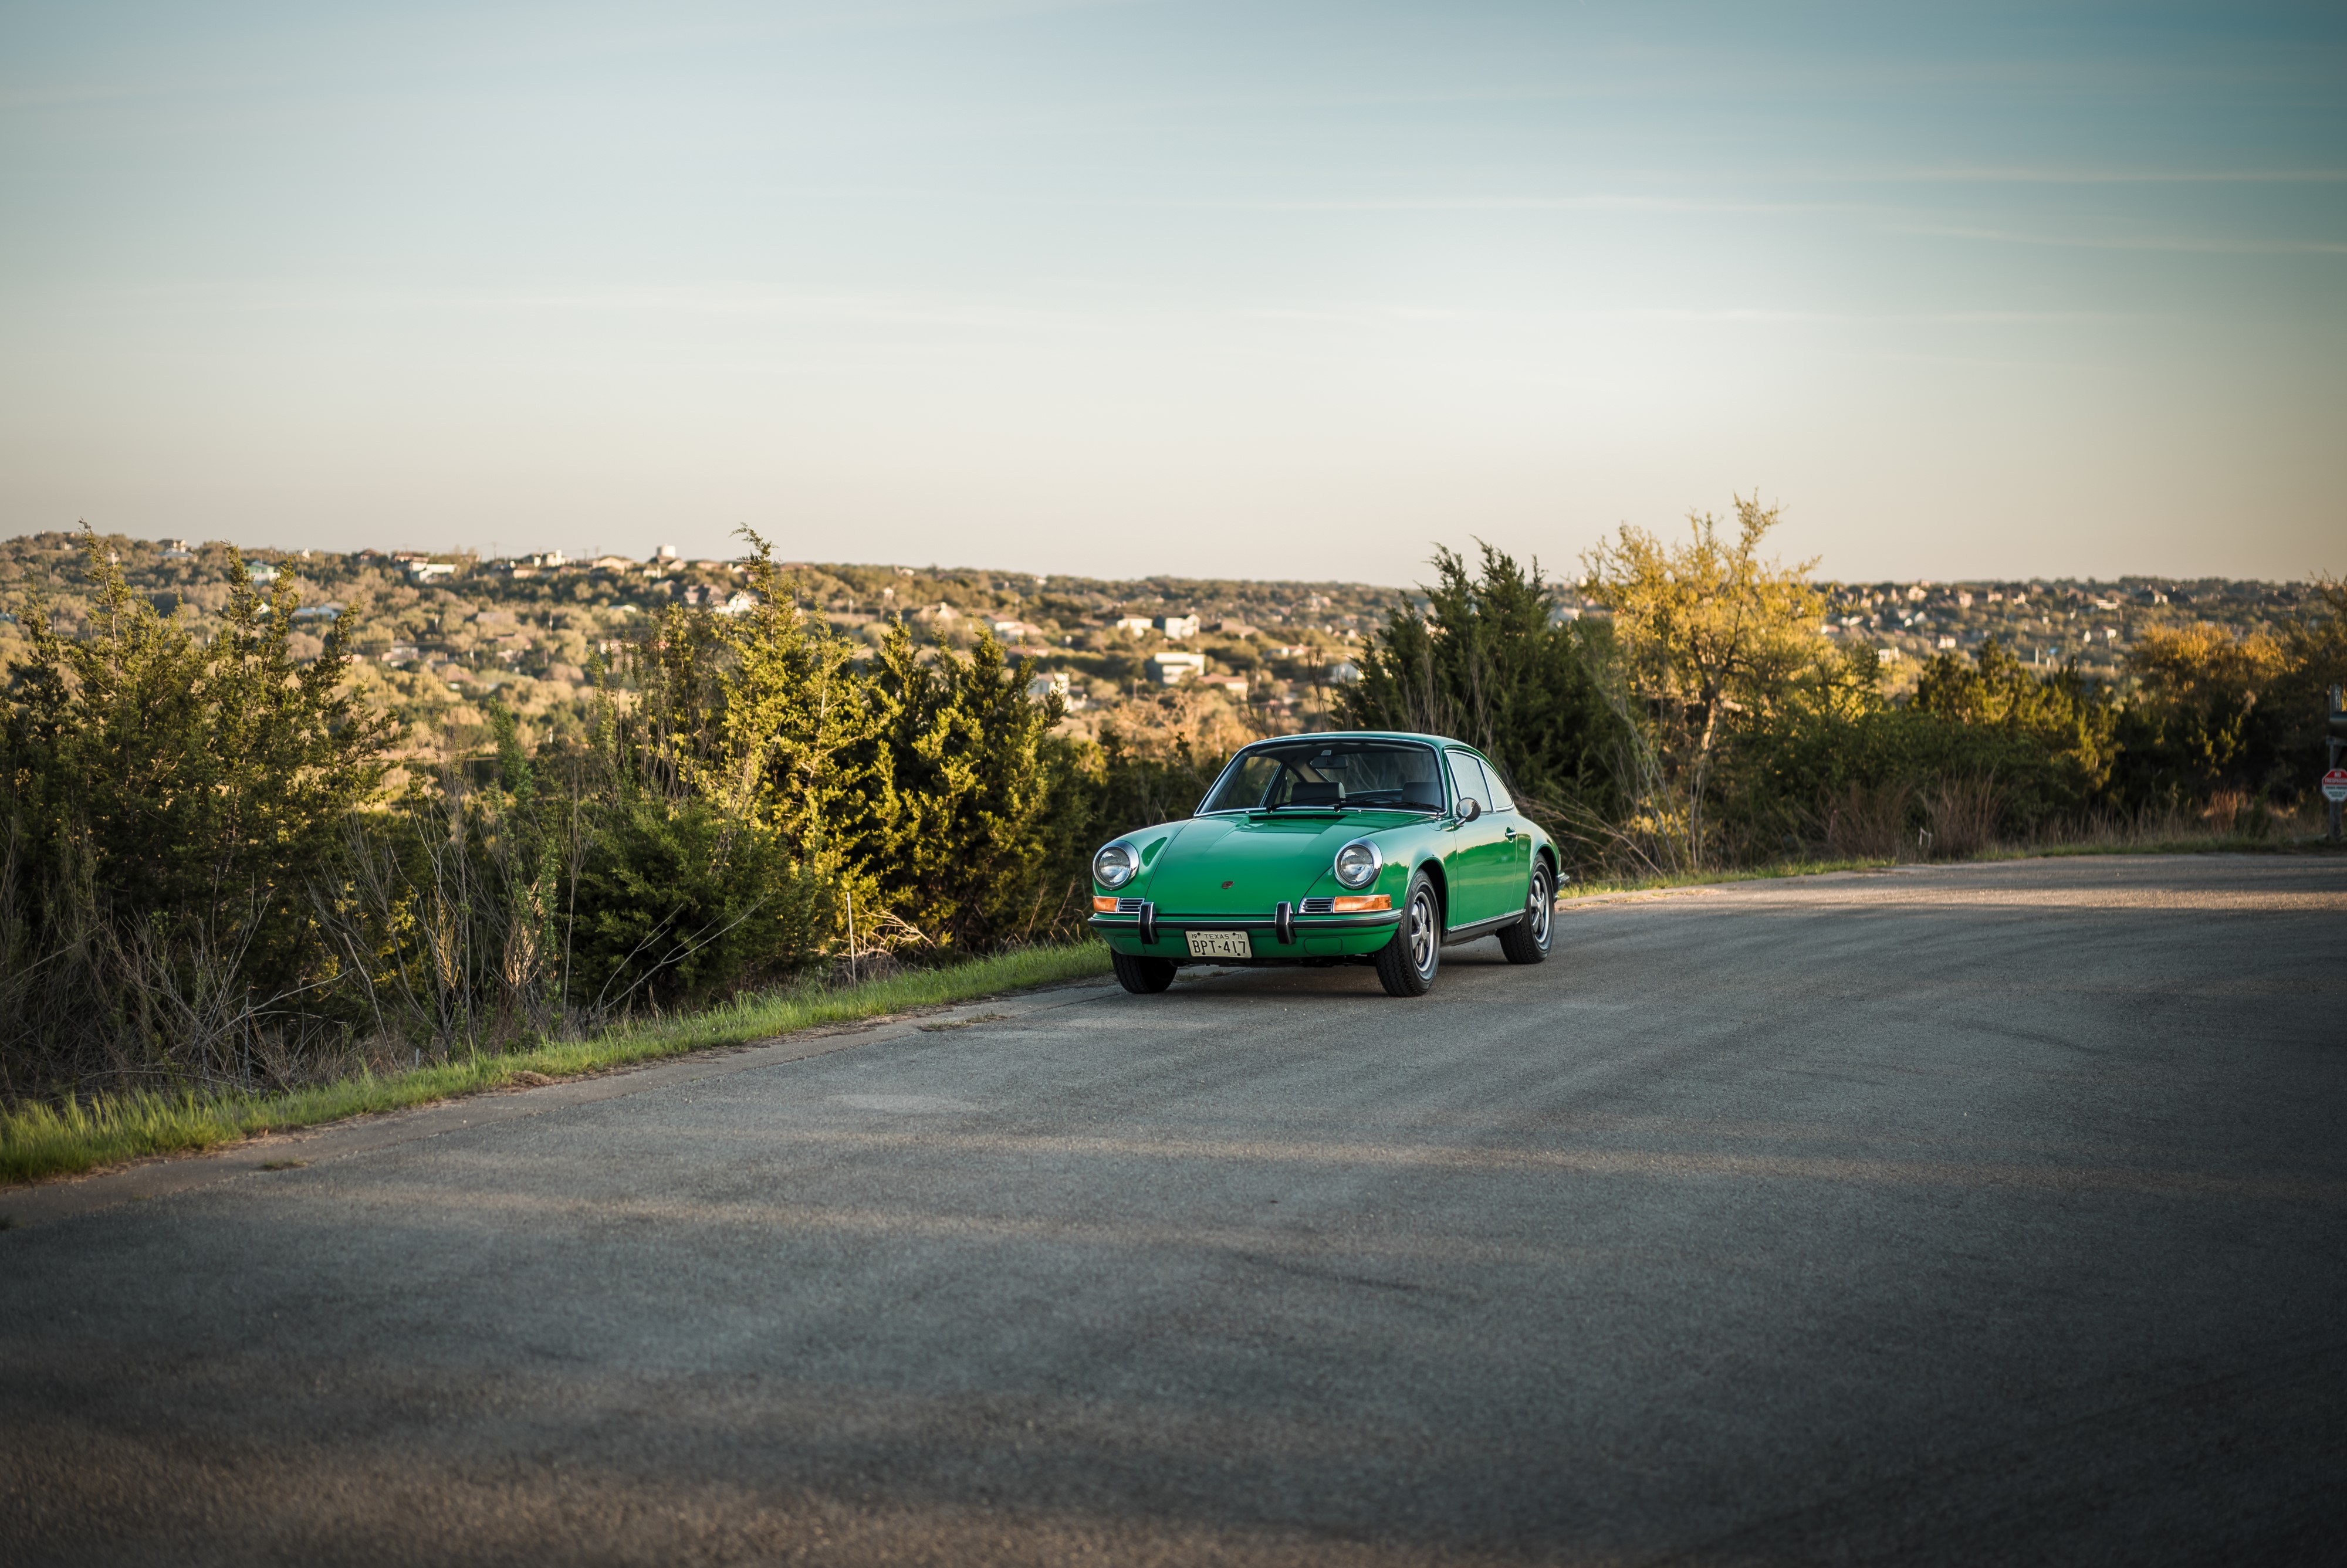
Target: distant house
<point x="426" y="570"/>
<point x="1344" y="673"/>
<point x="1176" y="627"/>
<point x="1236" y="685"/>
<point x="612" y="563"/>
<point x="1290" y="650"/>
<point x="1136" y="624"/>
<point x="261" y="572"/>
<point x="1172" y="669"/>
<point x="1043" y="687"/>
<point x="740" y="604"/>
<point x="327" y="611"/>
<point x="1234" y="629"/>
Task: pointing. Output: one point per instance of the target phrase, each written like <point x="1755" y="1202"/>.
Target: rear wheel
<point x="1526" y="941"/>
<point x="1141" y="977"/>
<point x="1406" y="965"/>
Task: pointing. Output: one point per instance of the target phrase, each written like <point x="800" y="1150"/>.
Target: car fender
<point x="1432" y="866"/>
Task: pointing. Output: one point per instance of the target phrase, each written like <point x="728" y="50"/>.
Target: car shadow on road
<point x="1335" y="981"/>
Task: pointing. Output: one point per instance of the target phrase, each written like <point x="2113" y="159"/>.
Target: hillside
<point x="436" y="637"/>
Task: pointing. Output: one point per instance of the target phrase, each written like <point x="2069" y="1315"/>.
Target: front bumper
<point x="1310" y="936"/>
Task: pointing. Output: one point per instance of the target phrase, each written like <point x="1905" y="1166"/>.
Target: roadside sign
<point x="2335" y="785"/>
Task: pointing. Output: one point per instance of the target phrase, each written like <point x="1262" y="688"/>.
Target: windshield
<point x="1308" y="772"/>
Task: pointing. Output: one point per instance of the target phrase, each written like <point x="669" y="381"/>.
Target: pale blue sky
<point x="1261" y="289"/>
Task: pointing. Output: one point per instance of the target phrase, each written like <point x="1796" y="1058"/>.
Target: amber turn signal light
<point x="1359" y="903"/>
<point x="1103" y="906"/>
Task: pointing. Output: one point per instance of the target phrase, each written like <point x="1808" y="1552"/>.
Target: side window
<point x="1467" y="780"/>
<point x="1499" y="799"/>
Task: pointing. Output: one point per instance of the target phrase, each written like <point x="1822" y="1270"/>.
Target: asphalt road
<point x="1950" y="1215"/>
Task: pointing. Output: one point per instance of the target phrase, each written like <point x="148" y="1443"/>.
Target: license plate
<point x="1220" y="945"/>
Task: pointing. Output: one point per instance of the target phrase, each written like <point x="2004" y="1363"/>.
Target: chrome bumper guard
<point x="1139" y="917"/>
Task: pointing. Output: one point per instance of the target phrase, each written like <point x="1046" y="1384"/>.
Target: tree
<point x="952" y="831"/>
<point x="2071" y="717"/>
<point x="1713" y="639"/>
<point x="188" y="771"/>
<point x="169" y="804"/>
<point x="2214" y="711"/>
<point x="1487" y="665"/>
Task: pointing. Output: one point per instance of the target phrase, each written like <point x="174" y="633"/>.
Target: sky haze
<point x="1271" y="290"/>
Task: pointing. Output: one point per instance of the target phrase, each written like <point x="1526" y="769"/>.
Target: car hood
<point x="1262" y="859"/>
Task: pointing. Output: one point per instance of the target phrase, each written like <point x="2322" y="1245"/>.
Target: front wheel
<point x="1526" y="941"/>
<point x="1406" y="965"/>
<point x="1141" y="977"/>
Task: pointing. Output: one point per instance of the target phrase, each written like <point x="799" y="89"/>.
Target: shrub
<point x="1489" y="666"/>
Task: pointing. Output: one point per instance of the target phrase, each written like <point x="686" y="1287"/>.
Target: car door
<point x="1517" y="834"/>
<point x="1479" y="858"/>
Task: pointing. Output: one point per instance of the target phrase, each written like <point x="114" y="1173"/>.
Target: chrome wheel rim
<point x="1542" y="908"/>
<point x="1421" y="932"/>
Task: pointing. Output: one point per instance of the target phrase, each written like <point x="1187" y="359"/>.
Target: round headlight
<point x="1358" y="863"/>
<point x="1114" y="865"/>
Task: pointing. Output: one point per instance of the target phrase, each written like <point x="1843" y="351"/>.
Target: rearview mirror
<point x="1470" y="808"/>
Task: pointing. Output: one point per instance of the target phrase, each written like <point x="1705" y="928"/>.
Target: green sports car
<point x="1331" y="849"/>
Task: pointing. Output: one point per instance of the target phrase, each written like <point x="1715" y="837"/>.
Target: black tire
<point x="1406" y="965"/>
<point x="1527" y="942"/>
<point x="1141" y="977"/>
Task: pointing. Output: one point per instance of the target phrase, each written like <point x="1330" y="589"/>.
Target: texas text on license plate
<point x="1220" y="945"/>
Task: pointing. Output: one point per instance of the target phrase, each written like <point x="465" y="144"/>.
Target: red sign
<point x="2335" y="785"/>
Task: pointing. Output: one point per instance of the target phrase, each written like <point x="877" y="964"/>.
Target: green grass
<point x="1593" y="886"/>
<point x="2236" y="844"/>
<point x="37" y="1140"/>
<point x="2242" y="843"/>
<point x="2207" y="844"/>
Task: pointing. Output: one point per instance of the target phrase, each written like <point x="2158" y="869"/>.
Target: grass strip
<point x="2236" y="844"/>
<point x="41" y="1140"/>
<point x="2243" y="843"/>
<point x="1599" y="886"/>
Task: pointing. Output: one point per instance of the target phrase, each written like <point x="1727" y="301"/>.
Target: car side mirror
<point x="1470" y="808"/>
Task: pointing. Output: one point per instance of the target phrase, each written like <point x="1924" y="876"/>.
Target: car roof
<point x="1359" y="736"/>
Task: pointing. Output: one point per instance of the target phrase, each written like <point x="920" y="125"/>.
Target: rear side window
<point x="1499" y="799"/>
<point x="1467" y="780"/>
